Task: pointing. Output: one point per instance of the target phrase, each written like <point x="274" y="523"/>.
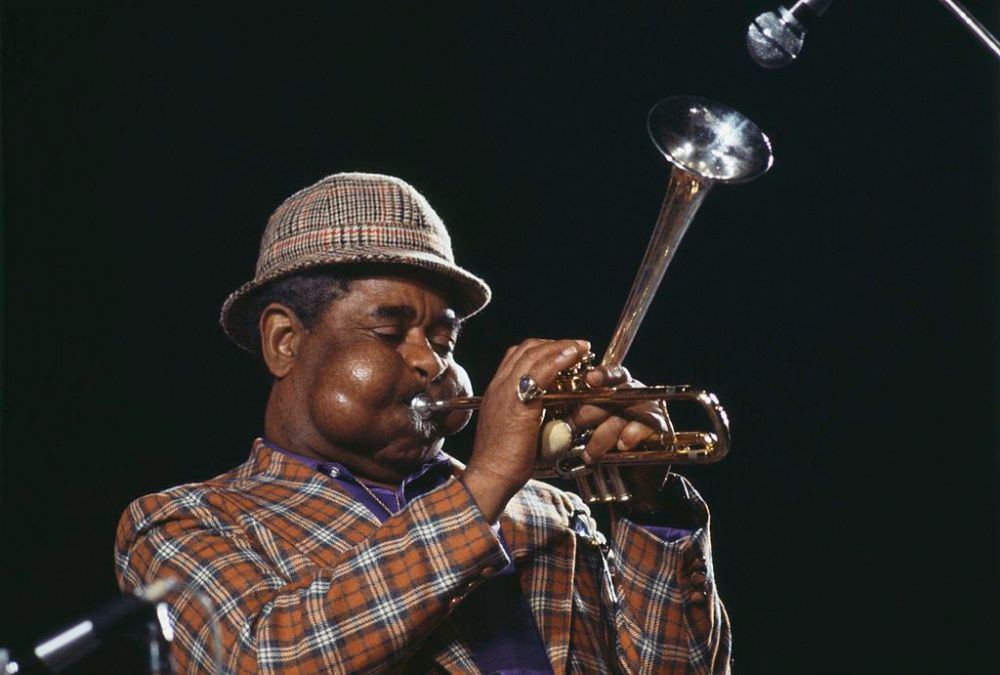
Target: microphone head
<point x="775" y="40"/>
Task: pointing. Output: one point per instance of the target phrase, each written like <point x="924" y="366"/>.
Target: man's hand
<point x="506" y="445"/>
<point x="503" y="455"/>
<point x="623" y="431"/>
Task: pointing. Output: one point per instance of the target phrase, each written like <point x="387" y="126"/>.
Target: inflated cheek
<point x="374" y="376"/>
<point x="356" y="391"/>
<point x="455" y="383"/>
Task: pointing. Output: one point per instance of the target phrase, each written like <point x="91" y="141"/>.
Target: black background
<point x="844" y="307"/>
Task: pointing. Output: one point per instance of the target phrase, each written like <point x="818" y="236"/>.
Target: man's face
<point x="356" y="371"/>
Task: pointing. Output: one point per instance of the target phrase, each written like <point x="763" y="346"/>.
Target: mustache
<point x="427" y="428"/>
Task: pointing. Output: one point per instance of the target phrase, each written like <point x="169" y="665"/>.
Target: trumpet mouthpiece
<point x="422" y="406"/>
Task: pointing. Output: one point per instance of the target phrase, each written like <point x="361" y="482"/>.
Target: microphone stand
<point x="978" y="30"/>
<point x="143" y="609"/>
<point x="159" y="635"/>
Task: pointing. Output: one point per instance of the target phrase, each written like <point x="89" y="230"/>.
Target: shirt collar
<point x="439" y="464"/>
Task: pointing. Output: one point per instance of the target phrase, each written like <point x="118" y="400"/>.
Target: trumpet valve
<point x="618" y="488"/>
<point x="600" y="478"/>
<point x="574" y="378"/>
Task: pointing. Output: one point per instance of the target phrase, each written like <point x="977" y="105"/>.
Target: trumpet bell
<point x="709" y="140"/>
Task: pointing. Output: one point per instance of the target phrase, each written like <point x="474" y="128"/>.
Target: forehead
<point x="395" y="297"/>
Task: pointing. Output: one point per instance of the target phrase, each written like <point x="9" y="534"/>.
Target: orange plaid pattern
<point x="305" y="580"/>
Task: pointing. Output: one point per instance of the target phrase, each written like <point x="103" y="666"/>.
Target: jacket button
<point x="488" y="572"/>
<point x="698" y="578"/>
<point x="697" y="597"/>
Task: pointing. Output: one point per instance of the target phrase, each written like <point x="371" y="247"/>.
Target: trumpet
<point x="559" y="448"/>
<point x="706" y="143"/>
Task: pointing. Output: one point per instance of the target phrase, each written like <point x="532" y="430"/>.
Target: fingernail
<point x="621" y="445"/>
<point x="569" y="351"/>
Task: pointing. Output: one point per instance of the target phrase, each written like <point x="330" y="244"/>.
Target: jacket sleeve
<point x="365" y="612"/>
<point x="670" y="617"/>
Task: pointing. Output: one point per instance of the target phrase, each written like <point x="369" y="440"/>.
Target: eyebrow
<point x="395" y="312"/>
<point x="408" y="313"/>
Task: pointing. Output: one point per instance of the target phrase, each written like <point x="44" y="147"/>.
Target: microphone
<point x="774" y="39"/>
<point x="62" y="649"/>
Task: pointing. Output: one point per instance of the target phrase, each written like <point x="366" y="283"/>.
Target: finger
<point x="514" y="362"/>
<point x="633" y="434"/>
<point x="603" y="439"/>
<point x="543" y="362"/>
<point x="607" y="376"/>
<point x="514" y="352"/>
<point x="650" y="413"/>
<point x="588" y="416"/>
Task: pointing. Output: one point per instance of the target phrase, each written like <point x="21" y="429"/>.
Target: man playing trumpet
<point x="350" y="542"/>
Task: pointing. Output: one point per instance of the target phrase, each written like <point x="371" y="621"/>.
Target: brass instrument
<point x="706" y="143"/>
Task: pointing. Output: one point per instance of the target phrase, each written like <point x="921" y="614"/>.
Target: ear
<point x="281" y="332"/>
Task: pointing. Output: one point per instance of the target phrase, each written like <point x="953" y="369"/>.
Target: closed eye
<point x="390" y="334"/>
<point x="395" y="336"/>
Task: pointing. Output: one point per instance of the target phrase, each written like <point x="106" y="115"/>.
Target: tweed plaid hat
<point x="352" y="218"/>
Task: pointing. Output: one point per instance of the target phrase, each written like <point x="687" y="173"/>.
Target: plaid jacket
<point x="303" y="579"/>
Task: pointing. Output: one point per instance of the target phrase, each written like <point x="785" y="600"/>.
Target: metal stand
<point x="978" y="30"/>
<point x="69" y="646"/>
<point x="159" y="635"/>
<point x="6" y="667"/>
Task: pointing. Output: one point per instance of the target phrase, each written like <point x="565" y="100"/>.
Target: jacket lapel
<point x="544" y="551"/>
<point x="450" y="651"/>
<point x="304" y="508"/>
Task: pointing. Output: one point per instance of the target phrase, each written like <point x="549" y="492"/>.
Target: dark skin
<point x="342" y="390"/>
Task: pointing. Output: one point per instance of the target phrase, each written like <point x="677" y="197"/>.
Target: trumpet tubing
<point x="560" y="458"/>
<point x="706" y="143"/>
<point x="680" y="447"/>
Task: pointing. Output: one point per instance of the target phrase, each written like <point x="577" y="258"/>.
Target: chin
<point x="406" y="455"/>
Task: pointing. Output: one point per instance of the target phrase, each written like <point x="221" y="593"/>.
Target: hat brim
<point x="469" y="293"/>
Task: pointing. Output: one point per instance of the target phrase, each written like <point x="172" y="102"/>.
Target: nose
<point x="421" y="357"/>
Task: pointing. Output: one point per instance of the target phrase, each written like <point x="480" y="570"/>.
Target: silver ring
<point x="527" y="389"/>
